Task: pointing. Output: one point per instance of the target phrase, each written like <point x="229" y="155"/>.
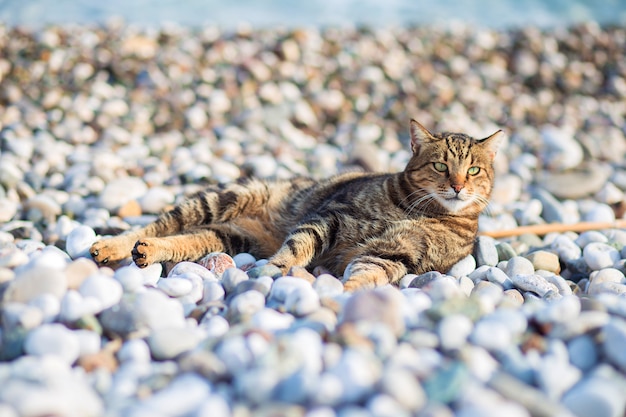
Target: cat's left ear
<point x="419" y="136"/>
<point x="492" y="143"/>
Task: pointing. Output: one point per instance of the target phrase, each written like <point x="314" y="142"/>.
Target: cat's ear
<point x="492" y="143"/>
<point x="419" y="136"/>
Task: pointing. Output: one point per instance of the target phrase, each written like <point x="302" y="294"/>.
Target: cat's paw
<point x="145" y="252"/>
<point x="109" y="251"/>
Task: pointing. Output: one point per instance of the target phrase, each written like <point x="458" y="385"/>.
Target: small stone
<point x="534" y="283"/>
<point x="505" y="251"/>
<point x="302" y="302"/>
<point x="485" y="251"/>
<point x="130" y="278"/>
<point x="105" y="289"/>
<point x="169" y="342"/>
<point x="375" y="306"/>
<point x="595" y="396"/>
<point x="491" y="335"/>
<point x="498" y="276"/>
<point x="134" y="350"/>
<point x="453" y="331"/>
<point x="243" y="260"/>
<point x="271" y="320"/>
<point x="327" y="285"/>
<point x="586" y="238"/>
<point x="424" y="279"/>
<point x="614" y="342"/>
<point x="35" y="281"/>
<point x="217" y="262"/>
<point x="583" y="352"/>
<point x="131" y="208"/>
<point x="155" y="200"/>
<point x="53" y="339"/>
<point x="544" y="260"/>
<point x="175" y="287"/>
<point x="213" y="291"/>
<point x="79" y="241"/>
<point x="566" y="248"/>
<point x="464" y="267"/>
<point x="120" y="191"/>
<point x="233" y="277"/>
<point x="519" y="266"/>
<point x="513" y="297"/>
<point x="599" y="255"/>
<point x="246" y="304"/>
<point x="77" y="271"/>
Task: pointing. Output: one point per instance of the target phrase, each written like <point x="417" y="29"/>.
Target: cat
<point x="370" y="228"/>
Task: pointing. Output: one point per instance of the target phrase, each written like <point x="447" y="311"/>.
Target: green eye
<point x="441" y="167"/>
<point x="473" y="170"/>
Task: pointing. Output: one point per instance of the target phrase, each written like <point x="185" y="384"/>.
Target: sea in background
<point x="289" y="13"/>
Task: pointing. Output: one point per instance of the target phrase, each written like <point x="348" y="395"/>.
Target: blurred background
<point x="266" y="13"/>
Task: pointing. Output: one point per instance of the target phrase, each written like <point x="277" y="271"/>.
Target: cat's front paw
<point x="145" y="252"/>
<point x="109" y="251"/>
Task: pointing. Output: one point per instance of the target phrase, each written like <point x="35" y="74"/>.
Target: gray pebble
<point x="232" y="277"/>
<point x="485" y="251"/>
<point x="599" y="255"/>
<point x="614" y="342"/>
<point x="327" y="285"/>
<point x="464" y="267"/>
<point x="519" y="266"/>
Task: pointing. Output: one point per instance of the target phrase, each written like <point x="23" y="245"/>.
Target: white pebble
<point x="302" y="302"/>
<point x="247" y="303"/>
<point x="213" y="291"/>
<point x="534" y="283"/>
<point x="271" y="320"/>
<point x="103" y="288"/>
<point x="79" y="241"/>
<point x="453" y="331"/>
<point x="53" y="339"/>
<point x="175" y="287"/>
<point x="130" y="278"/>
<point x="599" y="255"/>
<point x="242" y="259"/>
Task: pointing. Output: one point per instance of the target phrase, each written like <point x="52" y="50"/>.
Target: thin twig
<point x="544" y="229"/>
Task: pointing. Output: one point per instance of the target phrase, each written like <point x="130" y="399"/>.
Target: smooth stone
<point x="150" y="274"/>
<point x="130" y="278"/>
<point x="156" y="199"/>
<point x="357" y="373"/>
<point x="405" y="281"/>
<point x="401" y="385"/>
<point x="424" y="279"/>
<point x="553" y="211"/>
<point x="566" y="248"/>
<point x="519" y="266"/>
<point x="53" y="339"/>
<point x="134" y="350"/>
<point x="120" y="191"/>
<point x="175" y="287"/>
<point x="586" y="238"/>
<point x="265" y="270"/>
<point x="544" y="260"/>
<point x="217" y="262"/>
<point x="246" y="304"/>
<point x="77" y="271"/>
<point x="607" y="287"/>
<point x="583" y="352"/>
<point x="375" y="306"/>
<point x="464" y="267"/>
<point x="498" y="276"/>
<point x="505" y="251"/>
<point x="49" y="305"/>
<point x="513" y="298"/>
<point x="191" y="268"/>
<point x="271" y="320"/>
<point x="607" y="275"/>
<point x="283" y="286"/>
<point x="215" y="326"/>
<point x="302" y="302"/>
<point x="233" y="277"/>
<point x="243" y="259"/>
<point x="22" y="315"/>
<point x="485" y="251"/>
<point x="599" y="255"/>
<point x="182" y="396"/>
<point x="79" y="241"/>
<point x="614" y="342"/>
<point x="169" y="342"/>
<point x="248" y="285"/>
<point x="534" y="283"/>
<point x="491" y="335"/>
<point x="104" y="288"/>
<point x="213" y="291"/>
<point x="453" y="331"/>
<point x="595" y="396"/>
<point x="600" y="213"/>
<point x="445" y="385"/>
<point x="578" y="183"/>
<point x="327" y="285"/>
<point x="74" y="306"/>
<point x="32" y="282"/>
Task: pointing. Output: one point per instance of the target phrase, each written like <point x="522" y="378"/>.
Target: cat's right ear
<point x="419" y="136"/>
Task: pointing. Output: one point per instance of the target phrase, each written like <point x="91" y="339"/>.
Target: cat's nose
<point x="457" y="187"/>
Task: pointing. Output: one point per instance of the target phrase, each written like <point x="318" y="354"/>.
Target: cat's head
<point x="454" y="170"/>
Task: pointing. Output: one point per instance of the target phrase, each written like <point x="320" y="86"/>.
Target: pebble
<point x="79" y="241"/>
<point x="103" y="288"/>
<point x="169" y="342"/>
<point x="544" y="260"/>
<point x="218" y="263"/>
<point x="599" y="255"/>
<point x="485" y="251"/>
<point x="53" y="339"/>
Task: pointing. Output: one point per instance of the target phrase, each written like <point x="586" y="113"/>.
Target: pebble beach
<point x="104" y="127"/>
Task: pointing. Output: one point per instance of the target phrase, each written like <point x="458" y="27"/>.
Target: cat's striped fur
<point x="371" y="228"/>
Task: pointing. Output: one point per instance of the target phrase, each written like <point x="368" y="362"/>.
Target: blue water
<point x="292" y="13"/>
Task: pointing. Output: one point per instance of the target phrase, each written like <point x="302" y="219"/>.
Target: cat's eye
<point x="473" y="170"/>
<point x="441" y="167"/>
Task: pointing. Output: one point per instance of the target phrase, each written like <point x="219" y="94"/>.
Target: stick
<point x="544" y="229"/>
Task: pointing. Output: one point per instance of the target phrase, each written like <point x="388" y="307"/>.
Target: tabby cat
<point x="372" y="228"/>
